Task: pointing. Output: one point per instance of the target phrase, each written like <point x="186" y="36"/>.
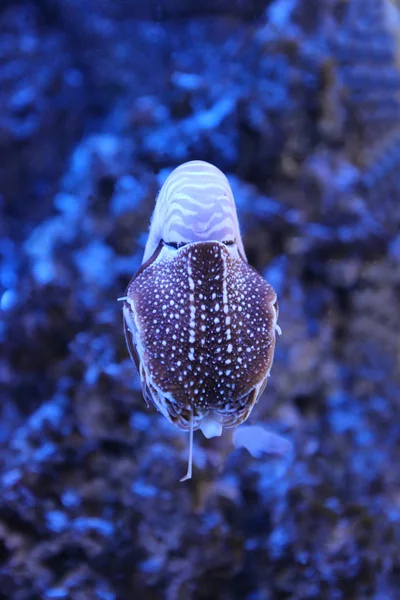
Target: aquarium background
<point x="297" y="101"/>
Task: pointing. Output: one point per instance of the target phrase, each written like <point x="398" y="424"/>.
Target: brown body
<point x="200" y="325"/>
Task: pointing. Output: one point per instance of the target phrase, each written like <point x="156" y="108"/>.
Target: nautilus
<point x="200" y="323"/>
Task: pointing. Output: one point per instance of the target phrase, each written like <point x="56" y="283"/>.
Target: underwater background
<point x="298" y="102"/>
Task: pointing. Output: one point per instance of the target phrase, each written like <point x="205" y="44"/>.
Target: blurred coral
<point x="300" y="106"/>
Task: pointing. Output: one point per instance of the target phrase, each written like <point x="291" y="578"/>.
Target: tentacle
<point x="190" y="458"/>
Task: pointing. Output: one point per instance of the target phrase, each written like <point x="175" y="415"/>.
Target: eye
<point x="175" y="245"/>
<point x="228" y="242"/>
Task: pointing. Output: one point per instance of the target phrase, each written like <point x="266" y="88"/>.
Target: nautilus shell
<point x="200" y="323"/>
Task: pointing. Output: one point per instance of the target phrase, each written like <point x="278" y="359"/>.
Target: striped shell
<point x="195" y="204"/>
<point x="199" y="322"/>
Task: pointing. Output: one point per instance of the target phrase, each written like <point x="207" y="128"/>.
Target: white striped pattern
<point x="195" y="204"/>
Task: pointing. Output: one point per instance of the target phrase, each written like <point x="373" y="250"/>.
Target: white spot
<point x="230" y="348"/>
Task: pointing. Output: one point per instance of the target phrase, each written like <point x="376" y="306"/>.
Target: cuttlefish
<point x="200" y="323"/>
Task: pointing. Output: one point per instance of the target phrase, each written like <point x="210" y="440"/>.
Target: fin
<point x="210" y="427"/>
<point x="259" y="441"/>
<point x="190" y="458"/>
<point x="127" y="321"/>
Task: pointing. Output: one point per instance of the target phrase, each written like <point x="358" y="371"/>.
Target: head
<point x="195" y="204"/>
